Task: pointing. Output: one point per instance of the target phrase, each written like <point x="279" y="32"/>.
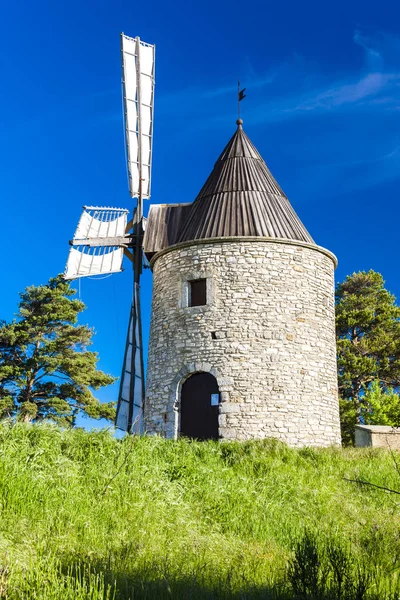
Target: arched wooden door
<point x="199" y="407"/>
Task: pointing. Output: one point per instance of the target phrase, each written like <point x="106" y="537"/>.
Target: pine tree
<point x="46" y="371"/>
<point x="380" y="407"/>
<point x="368" y="343"/>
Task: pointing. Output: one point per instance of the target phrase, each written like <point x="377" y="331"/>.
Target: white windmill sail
<point x="85" y="264"/>
<point x="138" y="67"/>
<point x="98" y="243"/>
<point x="138" y="62"/>
<point x="101" y="222"/>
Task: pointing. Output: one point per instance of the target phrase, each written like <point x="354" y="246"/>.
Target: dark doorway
<point x="199" y="407"/>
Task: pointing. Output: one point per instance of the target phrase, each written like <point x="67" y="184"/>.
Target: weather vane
<point x="241" y="95"/>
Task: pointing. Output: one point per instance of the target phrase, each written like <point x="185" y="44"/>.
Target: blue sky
<point x="322" y="107"/>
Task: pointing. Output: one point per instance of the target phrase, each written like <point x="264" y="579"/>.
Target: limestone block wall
<point x="267" y="334"/>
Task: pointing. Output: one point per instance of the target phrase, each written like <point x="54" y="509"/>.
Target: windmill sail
<point x="101" y="222"/>
<point x="138" y="91"/>
<point x="84" y="262"/>
<point x="98" y="244"/>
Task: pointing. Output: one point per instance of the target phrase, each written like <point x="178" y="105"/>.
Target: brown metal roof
<point x="241" y="198"/>
<point x="162" y="226"/>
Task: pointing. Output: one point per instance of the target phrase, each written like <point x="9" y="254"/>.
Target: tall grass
<point x="85" y="516"/>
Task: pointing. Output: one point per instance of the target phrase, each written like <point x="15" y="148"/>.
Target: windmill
<point x="104" y="235"/>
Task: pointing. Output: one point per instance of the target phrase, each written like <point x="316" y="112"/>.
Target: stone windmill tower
<point x="242" y="340"/>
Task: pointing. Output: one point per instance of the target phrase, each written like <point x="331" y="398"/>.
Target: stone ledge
<point x="379" y="429"/>
<point x="219" y="240"/>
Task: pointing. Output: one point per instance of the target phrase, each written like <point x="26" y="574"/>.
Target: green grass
<point x="84" y="516"/>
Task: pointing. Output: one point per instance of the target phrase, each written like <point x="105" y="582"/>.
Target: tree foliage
<point x="46" y="371"/>
<point x="380" y="407"/>
<point x="368" y="345"/>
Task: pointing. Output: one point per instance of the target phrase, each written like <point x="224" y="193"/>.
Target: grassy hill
<point x="84" y="516"/>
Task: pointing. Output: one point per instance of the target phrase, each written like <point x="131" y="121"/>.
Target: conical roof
<point x="241" y="198"/>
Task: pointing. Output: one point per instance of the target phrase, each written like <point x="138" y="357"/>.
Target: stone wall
<point x="267" y="334"/>
<point x="378" y="436"/>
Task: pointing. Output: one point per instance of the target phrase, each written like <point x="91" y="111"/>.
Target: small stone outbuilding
<point x="242" y="338"/>
<point x="378" y="436"/>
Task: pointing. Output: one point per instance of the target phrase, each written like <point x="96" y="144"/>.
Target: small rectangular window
<point x="197" y="292"/>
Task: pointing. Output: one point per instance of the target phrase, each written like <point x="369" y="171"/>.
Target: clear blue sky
<point x="322" y="107"/>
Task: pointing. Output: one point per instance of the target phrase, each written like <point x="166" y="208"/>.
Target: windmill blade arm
<point x="120" y="241"/>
